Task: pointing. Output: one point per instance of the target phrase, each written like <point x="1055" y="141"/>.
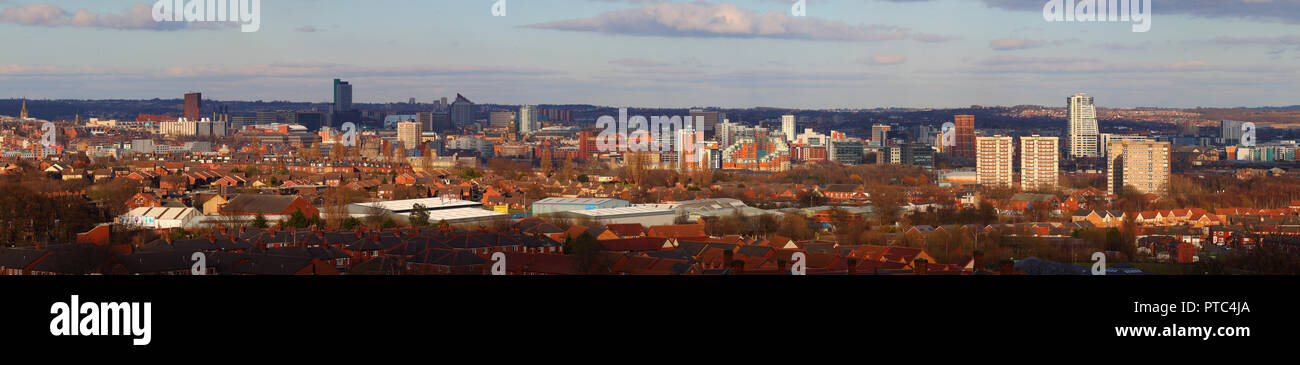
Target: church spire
<point x="23" y="114"/>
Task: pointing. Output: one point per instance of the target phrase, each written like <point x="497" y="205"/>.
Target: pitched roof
<point x="261" y="204"/>
<point x="627" y="229"/>
<point x="677" y="231"/>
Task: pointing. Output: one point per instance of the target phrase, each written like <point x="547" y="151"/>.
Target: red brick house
<point x="268" y="205"/>
<point x="143" y="199"/>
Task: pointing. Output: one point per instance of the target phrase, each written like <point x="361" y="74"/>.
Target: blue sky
<point x="843" y="54"/>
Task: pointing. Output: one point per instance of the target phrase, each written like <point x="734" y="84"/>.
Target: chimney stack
<point x="853" y="266"/>
<point x="919" y="266"/>
<point x="737" y="267"/>
<point x="727" y="257"/>
<point x="781" y="269"/>
<point x="978" y="257"/>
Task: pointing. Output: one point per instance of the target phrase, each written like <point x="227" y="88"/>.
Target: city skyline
<point x="843" y="54"/>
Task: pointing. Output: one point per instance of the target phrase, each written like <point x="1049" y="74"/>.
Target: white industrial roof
<point x="573" y="201"/>
<point x="161" y="213"/>
<point x="459" y="214"/>
<point x="611" y="212"/>
<point x="705" y="204"/>
<point x="403" y="206"/>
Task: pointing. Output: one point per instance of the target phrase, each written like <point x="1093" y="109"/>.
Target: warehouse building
<point x="161" y="218"/>
<point x="643" y="215"/>
<point x="556" y="205"/>
<point x="454" y="211"/>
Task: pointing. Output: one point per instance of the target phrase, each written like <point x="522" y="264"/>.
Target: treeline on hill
<point x="35" y="209"/>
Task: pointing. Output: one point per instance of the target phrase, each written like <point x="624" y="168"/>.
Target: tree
<point x="298" y="219"/>
<point x="795" y="227"/>
<point x="114" y="194"/>
<point x="637" y="163"/>
<point x="338" y="152"/>
<point x="419" y="216"/>
<point x="506" y="168"/>
<point x="586" y="253"/>
<point x="336" y="204"/>
<point x="470" y="174"/>
<point x="400" y="155"/>
<point x="546" y="161"/>
<point x="312" y="152"/>
<point x="260" y="221"/>
<point x="809" y="198"/>
<point x="351" y="222"/>
<point x="767" y="224"/>
<point x="567" y="170"/>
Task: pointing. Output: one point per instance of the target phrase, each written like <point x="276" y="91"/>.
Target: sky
<point x="649" y="53"/>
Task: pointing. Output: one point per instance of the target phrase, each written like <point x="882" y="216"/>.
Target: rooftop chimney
<point x="919" y="266"/>
<point x="737" y="267"/>
<point x="727" y="257"/>
<point x="780" y="268"/>
<point x="853" y="266"/>
<point x="978" y="257"/>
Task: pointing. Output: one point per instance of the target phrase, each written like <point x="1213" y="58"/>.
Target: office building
<point x="711" y="119"/>
<point x="965" y="134"/>
<point x="845" y="151"/>
<point x="1230" y="131"/>
<point x="993" y="160"/>
<point x="915" y="154"/>
<point x="1083" y="126"/>
<point x="462" y="112"/>
<point x="501" y="119"/>
<point x="528" y="123"/>
<point x="408" y="134"/>
<point x="759" y="153"/>
<point x="1144" y="165"/>
<point x="426" y="120"/>
<point x="193" y="105"/>
<point x="342" y="96"/>
<point x="341" y="112"/>
<point x="880" y="134"/>
<point x="1039" y="163"/>
<point x="1105" y="139"/>
<point x="788" y="127"/>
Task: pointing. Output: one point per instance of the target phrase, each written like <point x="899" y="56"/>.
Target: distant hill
<point x="1278" y="116"/>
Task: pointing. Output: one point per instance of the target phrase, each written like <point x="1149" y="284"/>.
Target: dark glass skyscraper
<point x="462" y="112"/>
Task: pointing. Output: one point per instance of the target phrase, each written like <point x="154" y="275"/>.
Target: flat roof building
<point x="556" y="205"/>
<point x="644" y="215"/>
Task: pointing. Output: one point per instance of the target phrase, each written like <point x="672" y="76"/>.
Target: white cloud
<point x="706" y="20"/>
<point x="138" y="17"/>
<point x="883" y="59"/>
<point x="1012" y="44"/>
